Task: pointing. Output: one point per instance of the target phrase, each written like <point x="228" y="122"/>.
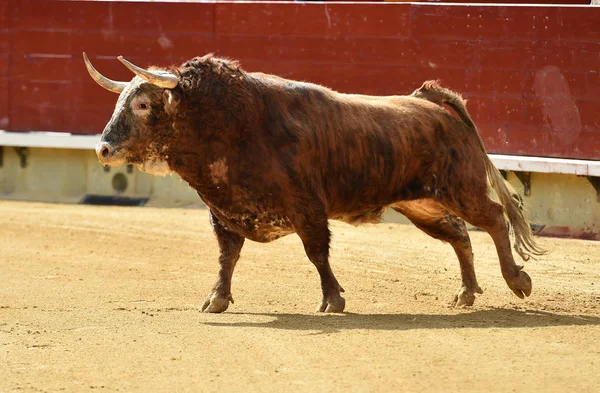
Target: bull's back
<point x="357" y="152"/>
<point x="373" y="151"/>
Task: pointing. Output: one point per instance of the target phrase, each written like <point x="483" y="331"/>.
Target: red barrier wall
<point x="531" y="73"/>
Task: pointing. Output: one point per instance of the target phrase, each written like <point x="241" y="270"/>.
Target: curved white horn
<point x="166" y="80"/>
<point x="108" y="84"/>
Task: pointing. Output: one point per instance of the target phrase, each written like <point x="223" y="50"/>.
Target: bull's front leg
<point x="315" y="236"/>
<point x="230" y="245"/>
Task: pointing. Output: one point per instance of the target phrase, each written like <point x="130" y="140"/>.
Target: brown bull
<point x="271" y="157"/>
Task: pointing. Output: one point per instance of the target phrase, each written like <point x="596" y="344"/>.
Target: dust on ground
<point x="107" y="299"/>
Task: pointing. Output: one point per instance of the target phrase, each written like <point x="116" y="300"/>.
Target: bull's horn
<point x="166" y="80"/>
<point x="108" y="84"/>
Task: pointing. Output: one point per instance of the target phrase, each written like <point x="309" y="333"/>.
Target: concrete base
<point x="66" y="175"/>
<point x="564" y="205"/>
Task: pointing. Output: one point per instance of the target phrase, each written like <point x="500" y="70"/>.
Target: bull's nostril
<point x="104" y="152"/>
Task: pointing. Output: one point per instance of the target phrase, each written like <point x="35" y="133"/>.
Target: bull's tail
<point x="524" y="242"/>
<point x="432" y="91"/>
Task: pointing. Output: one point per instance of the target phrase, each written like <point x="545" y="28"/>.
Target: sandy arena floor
<point x="106" y="299"/>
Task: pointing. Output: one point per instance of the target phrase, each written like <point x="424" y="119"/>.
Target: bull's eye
<point x="141" y="105"/>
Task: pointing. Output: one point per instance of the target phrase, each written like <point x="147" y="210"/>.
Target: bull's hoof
<point x="466" y="296"/>
<point x="216" y="303"/>
<point x="520" y="283"/>
<point x="332" y="303"/>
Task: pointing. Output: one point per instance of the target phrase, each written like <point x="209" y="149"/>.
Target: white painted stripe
<point x="61" y="140"/>
<point x="56" y="140"/>
<point x="565" y="166"/>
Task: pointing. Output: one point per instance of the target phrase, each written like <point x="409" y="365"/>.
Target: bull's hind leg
<point x="230" y="245"/>
<point x="439" y="223"/>
<point x="488" y="215"/>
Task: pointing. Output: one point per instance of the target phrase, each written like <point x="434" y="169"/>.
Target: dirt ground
<point x="107" y="299"/>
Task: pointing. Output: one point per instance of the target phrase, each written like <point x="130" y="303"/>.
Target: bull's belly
<point x="370" y="216"/>
<point x="259" y="227"/>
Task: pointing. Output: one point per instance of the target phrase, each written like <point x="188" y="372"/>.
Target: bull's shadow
<point x="491" y="318"/>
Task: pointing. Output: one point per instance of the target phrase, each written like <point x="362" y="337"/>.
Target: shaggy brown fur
<point x="271" y="156"/>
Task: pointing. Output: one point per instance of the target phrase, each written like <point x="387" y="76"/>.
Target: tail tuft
<point x="524" y="242"/>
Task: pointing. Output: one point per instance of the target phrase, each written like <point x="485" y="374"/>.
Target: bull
<point x="271" y="157"/>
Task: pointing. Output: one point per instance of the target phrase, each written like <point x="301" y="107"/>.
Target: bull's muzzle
<point x="106" y="154"/>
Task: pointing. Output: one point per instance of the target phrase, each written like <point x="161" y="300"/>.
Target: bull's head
<point x="136" y="132"/>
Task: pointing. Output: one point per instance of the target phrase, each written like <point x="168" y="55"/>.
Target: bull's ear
<point x="171" y="101"/>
